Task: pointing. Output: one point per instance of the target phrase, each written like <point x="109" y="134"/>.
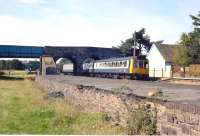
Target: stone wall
<point x="172" y="118"/>
<point x="180" y="119"/>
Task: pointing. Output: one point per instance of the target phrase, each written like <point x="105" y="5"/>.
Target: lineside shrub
<point x="141" y="122"/>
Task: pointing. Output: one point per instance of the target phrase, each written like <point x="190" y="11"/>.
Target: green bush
<point x="141" y="122"/>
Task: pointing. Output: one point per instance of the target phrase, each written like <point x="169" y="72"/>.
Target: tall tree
<point x="196" y="22"/>
<point x="142" y="42"/>
<point x="181" y="56"/>
<point x="191" y="41"/>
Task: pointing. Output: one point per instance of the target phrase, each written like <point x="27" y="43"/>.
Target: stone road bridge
<point x="78" y="55"/>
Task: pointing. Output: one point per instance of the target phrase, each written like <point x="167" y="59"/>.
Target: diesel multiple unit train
<point x="126" y="67"/>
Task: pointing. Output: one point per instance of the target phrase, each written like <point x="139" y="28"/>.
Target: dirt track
<point x="173" y="92"/>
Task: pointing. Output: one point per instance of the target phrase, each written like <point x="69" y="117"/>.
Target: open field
<point x="24" y="109"/>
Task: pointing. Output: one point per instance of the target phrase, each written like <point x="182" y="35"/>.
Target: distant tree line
<point x="16" y="64"/>
<point x="11" y="64"/>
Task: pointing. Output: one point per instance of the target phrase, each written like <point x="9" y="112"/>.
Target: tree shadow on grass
<point x="10" y="78"/>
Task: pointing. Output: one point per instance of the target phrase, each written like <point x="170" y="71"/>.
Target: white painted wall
<point x="157" y="65"/>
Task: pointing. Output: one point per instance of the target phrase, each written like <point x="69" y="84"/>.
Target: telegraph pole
<point x="134" y="50"/>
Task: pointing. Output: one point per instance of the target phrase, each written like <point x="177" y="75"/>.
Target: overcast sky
<point x="101" y="23"/>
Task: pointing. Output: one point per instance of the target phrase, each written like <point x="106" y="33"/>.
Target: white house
<point x="160" y="59"/>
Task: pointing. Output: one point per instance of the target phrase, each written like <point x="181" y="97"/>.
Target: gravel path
<point x="173" y="92"/>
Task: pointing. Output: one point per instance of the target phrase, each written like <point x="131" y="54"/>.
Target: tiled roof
<point x="167" y="51"/>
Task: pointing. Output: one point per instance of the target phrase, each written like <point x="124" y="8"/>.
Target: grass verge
<point x="25" y="110"/>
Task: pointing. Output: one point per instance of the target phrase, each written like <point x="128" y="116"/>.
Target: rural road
<point x="172" y="92"/>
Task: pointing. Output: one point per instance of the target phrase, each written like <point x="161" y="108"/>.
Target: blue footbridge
<point x="15" y="51"/>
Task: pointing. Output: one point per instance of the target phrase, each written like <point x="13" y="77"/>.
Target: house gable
<point x="156" y="60"/>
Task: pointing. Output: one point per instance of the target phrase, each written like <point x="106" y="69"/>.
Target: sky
<point x="97" y="23"/>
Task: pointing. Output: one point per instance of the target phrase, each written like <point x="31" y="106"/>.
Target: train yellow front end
<point x="139" y="68"/>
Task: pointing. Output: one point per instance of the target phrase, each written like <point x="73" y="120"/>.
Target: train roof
<point x="114" y="59"/>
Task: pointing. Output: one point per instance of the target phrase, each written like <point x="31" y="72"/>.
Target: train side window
<point x="117" y="63"/>
<point x="121" y="64"/>
<point x="124" y="63"/>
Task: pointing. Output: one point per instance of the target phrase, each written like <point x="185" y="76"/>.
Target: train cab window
<point x="135" y="64"/>
<point x="140" y="63"/>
